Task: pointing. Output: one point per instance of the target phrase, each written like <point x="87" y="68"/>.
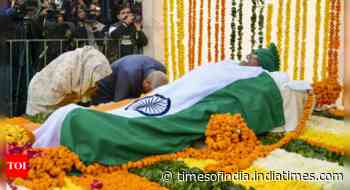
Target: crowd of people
<point x="78" y="19"/>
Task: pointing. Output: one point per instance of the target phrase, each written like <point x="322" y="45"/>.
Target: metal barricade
<point x="26" y="57"/>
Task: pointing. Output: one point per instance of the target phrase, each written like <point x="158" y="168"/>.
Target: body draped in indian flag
<point x="170" y="119"/>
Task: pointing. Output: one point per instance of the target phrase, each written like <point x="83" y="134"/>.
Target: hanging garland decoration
<point x="190" y="22"/>
<point x="328" y="91"/>
<point x="240" y="30"/>
<point x="268" y="30"/>
<point x="217" y="19"/>
<point x="209" y="31"/>
<point x="173" y="39"/>
<point x="166" y="39"/>
<point x="303" y="41"/>
<point x="280" y="26"/>
<point x="325" y="39"/>
<point x="296" y="39"/>
<point x="194" y="24"/>
<point x="223" y="19"/>
<point x="233" y="28"/>
<point x="317" y="40"/>
<point x="181" y="35"/>
<point x="253" y="19"/>
<point x="261" y="24"/>
<point x="200" y="40"/>
<point x="287" y="37"/>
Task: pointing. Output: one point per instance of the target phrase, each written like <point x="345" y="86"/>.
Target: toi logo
<point x="16" y="165"/>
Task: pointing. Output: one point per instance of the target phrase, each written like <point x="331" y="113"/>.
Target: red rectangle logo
<point x="17" y="165"/>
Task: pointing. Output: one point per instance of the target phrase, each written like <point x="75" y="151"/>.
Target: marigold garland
<point x="200" y="40"/>
<point x="240" y="30"/>
<point x="261" y="24"/>
<point x="233" y="28"/>
<point x="253" y="19"/>
<point x="303" y="40"/>
<point x="173" y="40"/>
<point x="287" y="37"/>
<point x="296" y="39"/>
<point x="194" y="25"/>
<point x="317" y="40"/>
<point x="209" y="31"/>
<point x="280" y="26"/>
<point x="223" y="25"/>
<point x="166" y="39"/>
<point x="325" y="39"/>
<point x="190" y="36"/>
<point x="181" y="35"/>
<point x="268" y="30"/>
<point x="217" y="20"/>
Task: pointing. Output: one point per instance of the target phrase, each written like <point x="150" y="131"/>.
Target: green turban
<point x="268" y="57"/>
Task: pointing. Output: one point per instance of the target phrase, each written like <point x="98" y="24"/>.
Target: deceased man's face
<point x="251" y="60"/>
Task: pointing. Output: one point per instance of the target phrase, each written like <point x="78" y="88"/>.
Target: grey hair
<point x="157" y="79"/>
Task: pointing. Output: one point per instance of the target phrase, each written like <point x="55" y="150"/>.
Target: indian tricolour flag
<point x="169" y="119"/>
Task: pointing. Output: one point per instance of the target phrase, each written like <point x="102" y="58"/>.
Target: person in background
<point x="132" y="76"/>
<point x="128" y="32"/>
<point x="70" y="78"/>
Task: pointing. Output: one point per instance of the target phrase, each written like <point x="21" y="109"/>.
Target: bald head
<point x="154" y="80"/>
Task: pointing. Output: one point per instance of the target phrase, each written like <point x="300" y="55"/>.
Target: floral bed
<point x="317" y="146"/>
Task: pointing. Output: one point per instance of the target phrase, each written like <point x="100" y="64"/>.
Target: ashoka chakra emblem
<point x="155" y="105"/>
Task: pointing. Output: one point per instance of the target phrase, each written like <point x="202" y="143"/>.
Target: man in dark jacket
<point x="131" y="76"/>
<point x="128" y="31"/>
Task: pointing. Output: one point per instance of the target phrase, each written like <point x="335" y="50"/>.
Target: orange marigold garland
<point x="209" y="31"/>
<point x="296" y="39"/>
<point x="328" y="91"/>
<point x="217" y="19"/>
<point x="325" y="39"/>
<point x="194" y="25"/>
<point x="223" y="25"/>
<point x="200" y="40"/>
<point x="317" y="40"/>
<point x="303" y="41"/>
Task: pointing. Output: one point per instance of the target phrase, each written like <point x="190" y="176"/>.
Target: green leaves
<point x="310" y="151"/>
<point x="176" y="181"/>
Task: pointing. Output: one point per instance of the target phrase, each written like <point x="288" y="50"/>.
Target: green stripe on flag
<point x="111" y="139"/>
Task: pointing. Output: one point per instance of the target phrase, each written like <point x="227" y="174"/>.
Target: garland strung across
<point x="303" y="41"/>
<point x="280" y="26"/>
<point x="240" y="30"/>
<point x="325" y="39"/>
<point x="181" y="35"/>
<point x="261" y="24"/>
<point x="233" y="28"/>
<point x="253" y="23"/>
<point x="190" y="22"/>
<point x="173" y="40"/>
<point x="209" y="31"/>
<point x="317" y="40"/>
<point x="200" y="40"/>
<point x="296" y="39"/>
<point x="287" y="37"/>
<point x="166" y="39"/>
<point x="217" y="19"/>
<point x="268" y="30"/>
<point x="223" y="19"/>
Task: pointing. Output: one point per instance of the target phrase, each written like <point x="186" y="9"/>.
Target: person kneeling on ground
<point x="132" y="76"/>
<point x="70" y="78"/>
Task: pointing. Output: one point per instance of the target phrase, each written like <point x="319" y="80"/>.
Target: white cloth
<point x="73" y="72"/>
